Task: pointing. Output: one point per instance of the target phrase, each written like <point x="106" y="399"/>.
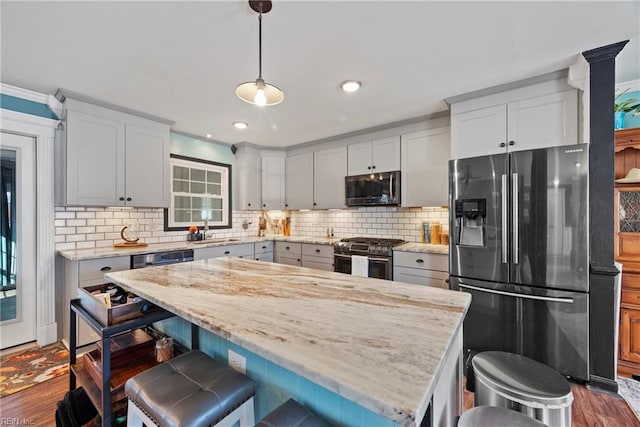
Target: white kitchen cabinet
<point x="273" y="180"/>
<point x="82" y="274"/>
<point x="243" y="250"/>
<point x="329" y="170"/>
<point x="379" y="155"/>
<point x="534" y="122"/>
<point x="319" y="257"/>
<point x="110" y="158"/>
<point x="299" y="181"/>
<point x="288" y="253"/>
<point x="263" y="251"/>
<point x="247" y="179"/>
<point x="421" y="268"/>
<point x="424" y="168"/>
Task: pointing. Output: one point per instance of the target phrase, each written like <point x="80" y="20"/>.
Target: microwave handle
<point x="391" y="186"/>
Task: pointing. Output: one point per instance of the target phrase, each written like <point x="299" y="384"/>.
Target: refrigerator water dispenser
<point x="471" y="215"/>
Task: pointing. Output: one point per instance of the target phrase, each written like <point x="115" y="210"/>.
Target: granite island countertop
<point x="109" y="251"/>
<point x="379" y="343"/>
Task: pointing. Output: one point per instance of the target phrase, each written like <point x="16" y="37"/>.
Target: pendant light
<point x="259" y="92"/>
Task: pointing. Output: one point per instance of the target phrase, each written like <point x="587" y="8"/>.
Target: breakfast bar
<point x="391" y="348"/>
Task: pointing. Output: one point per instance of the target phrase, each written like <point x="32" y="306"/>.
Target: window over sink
<point x="200" y="190"/>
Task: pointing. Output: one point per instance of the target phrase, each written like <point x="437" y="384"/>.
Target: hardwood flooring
<point x="37" y="406"/>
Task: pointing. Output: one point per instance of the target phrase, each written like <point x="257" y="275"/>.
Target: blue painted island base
<point x="275" y="384"/>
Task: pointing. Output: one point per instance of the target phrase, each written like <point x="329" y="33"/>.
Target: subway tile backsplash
<point x="80" y="228"/>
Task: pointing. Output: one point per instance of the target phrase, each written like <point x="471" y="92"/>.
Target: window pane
<point x="197" y="187"/>
<point x="216" y="216"/>
<point x="215" y="189"/>
<point x="214" y="177"/>
<point x="197" y="202"/>
<point x="180" y="186"/>
<point x="200" y="215"/>
<point x="216" y="203"/>
<point x="182" y="202"/>
<point x="182" y="215"/>
<point x="198" y="175"/>
<point x="180" y="172"/>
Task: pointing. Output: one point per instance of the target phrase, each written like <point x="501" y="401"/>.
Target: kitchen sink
<point x="200" y="242"/>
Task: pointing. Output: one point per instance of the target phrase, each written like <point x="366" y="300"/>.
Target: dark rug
<point x="30" y="367"/>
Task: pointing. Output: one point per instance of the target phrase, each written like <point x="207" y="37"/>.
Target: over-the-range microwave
<point x="373" y="189"/>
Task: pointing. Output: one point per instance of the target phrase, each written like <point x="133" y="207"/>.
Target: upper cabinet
<point x="379" y="155"/>
<point x="247" y="179"/>
<point x="273" y="180"/>
<point x="299" y="181"/>
<point x="110" y="158"/>
<point x="425" y="159"/>
<point x="518" y="121"/>
<point x="329" y="170"/>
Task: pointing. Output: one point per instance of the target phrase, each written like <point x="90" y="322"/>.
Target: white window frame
<point x="210" y="166"/>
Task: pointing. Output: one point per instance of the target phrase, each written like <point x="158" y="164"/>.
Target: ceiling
<point x="182" y="60"/>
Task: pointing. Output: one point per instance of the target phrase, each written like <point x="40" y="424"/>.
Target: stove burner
<point x="366" y="246"/>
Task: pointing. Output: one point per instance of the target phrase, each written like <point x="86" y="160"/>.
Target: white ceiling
<point x="183" y="60"/>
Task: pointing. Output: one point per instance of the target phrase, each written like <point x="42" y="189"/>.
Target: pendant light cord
<point x="260" y="43"/>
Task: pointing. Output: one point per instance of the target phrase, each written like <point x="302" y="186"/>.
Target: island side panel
<point x="447" y="396"/>
<point x="276" y="384"/>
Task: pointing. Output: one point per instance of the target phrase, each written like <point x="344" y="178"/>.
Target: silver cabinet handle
<point x="513" y="294"/>
<point x="505" y="242"/>
<point x="516" y="212"/>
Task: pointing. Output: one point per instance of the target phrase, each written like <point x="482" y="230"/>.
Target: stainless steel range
<point x="378" y="251"/>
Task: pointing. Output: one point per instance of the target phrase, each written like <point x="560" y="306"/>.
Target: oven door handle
<point x="342" y="256"/>
<point x="513" y="294"/>
<point x="378" y="259"/>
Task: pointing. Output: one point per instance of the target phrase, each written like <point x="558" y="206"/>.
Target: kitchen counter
<point x="107" y="252"/>
<point x="381" y="344"/>
<point x="422" y="247"/>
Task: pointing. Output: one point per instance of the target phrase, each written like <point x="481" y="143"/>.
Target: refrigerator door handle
<point x="514" y="201"/>
<point x="505" y="238"/>
<point x="513" y="294"/>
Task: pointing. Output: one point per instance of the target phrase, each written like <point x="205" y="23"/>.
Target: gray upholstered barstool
<point x="516" y="382"/>
<point x="495" y="416"/>
<point x="190" y="390"/>
<point x="291" y="413"/>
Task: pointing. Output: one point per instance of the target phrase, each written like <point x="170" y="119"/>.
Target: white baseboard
<point x="47" y="334"/>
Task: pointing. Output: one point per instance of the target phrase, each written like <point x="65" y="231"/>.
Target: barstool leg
<point x="137" y="418"/>
<point x="247" y="418"/>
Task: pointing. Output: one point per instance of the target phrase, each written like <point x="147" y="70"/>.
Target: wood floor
<point x="37" y="406"/>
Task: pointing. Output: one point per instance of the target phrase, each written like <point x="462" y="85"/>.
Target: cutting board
<point x="130" y="245"/>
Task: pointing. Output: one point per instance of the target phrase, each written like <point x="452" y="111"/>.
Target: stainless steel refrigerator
<point x="519" y="243"/>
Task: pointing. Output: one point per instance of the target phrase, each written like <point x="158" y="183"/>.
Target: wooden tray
<point x="129" y="346"/>
<point x="108" y="315"/>
<point x="92" y="364"/>
<point x="130" y="245"/>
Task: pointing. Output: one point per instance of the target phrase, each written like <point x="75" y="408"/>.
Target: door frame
<point x="43" y="131"/>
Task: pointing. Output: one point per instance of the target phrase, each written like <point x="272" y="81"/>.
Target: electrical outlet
<point x="237" y="362"/>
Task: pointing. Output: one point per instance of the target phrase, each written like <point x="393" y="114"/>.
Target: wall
<point x="631" y="121"/>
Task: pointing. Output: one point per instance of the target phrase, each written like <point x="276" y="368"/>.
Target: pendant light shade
<point x="259" y="92"/>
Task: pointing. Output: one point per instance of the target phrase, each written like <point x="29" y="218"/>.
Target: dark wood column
<point x="602" y="304"/>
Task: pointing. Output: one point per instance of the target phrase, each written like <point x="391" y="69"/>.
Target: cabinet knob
<point x="226" y="252"/>
<point x="512" y="143"/>
<point x="315" y="204"/>
<point x="287" y="248"/>
<point x="420" y="261"/>
<point x="298" y="259"/>
<point x="264" y="247"/>
<point x="369" y="167"/>
<point x="502" y="145"/>
<point x="286" y="205"/>
<point x="318" y="251"/>
<point x="373" y="167"/>
<point x="248" y="204"/>
<point x="264" y="205"/>
<point x="128" y="199"/>
<point x="105" y="268"/>
<point x="121" y="199"/>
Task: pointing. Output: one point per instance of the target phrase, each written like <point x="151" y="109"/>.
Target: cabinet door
<point x="385" y="154"/>
<point x="329" y="170"/>
<point x="543" y="121"/>
<point x="479" y="132"/>
<point x="630" y="335"/>
<point x="359" y="158"/>
<point x="273" y="192"/>
<point x="95" y="160"/>
<point x="147" y="167"/>
<point x="248" y="186"/>
<point x="299" y="181"/>
<point x="424" y="172"/>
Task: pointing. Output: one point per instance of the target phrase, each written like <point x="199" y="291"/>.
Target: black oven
<point x="379" y="267"/>
<point x="379" y="254"/>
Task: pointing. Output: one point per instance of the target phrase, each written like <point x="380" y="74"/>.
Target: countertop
<point x="379" y="343"/>
<point x="108" y="252"/>
<point x="423" y="247"/>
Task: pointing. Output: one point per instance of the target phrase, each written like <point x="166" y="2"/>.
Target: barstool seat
<point x="190" y="390"/>
<point x="496" y="416"/>
<point x="291" y="413"/>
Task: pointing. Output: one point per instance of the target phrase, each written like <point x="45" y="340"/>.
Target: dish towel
<point x="359" y="266"/>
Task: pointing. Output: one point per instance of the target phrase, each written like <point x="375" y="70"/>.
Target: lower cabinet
<point x="421" y="268"/>
<point x="630" y="335"/>
<point x="288" y="253"/>
<point x="263" y="251"/>
<point x="317" y="256"/>
<point x="244" y="250"/>
<point x="82" y="274"/>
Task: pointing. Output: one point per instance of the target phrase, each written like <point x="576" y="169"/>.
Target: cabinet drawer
<point x="630" y="280"/>
<point x="288" y="259"/>
<point x="631" y="297"/>
<point x="97" y="268"/>
<point x="265" y="256"/>
<point x="289" y="248"/>
<point x="320" y="263"/>
<point x="421" y="260"/>
<point x="244" y="250"/>
<point x="325" y="251"/>
<point x="262" y="247"/>
<point x="419" y="276"/>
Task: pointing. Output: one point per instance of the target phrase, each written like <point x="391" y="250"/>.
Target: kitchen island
<point x="392" y="348"/>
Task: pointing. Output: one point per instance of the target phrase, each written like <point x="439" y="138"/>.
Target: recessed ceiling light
<point x="350" y="85"/>
<point x="240" y="125"/>
<point x="208" y="135"/>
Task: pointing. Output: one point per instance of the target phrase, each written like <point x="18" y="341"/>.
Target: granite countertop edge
<point x="422" y="248"/>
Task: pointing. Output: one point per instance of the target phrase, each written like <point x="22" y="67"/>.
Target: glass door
<point x="17" y="240"/>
